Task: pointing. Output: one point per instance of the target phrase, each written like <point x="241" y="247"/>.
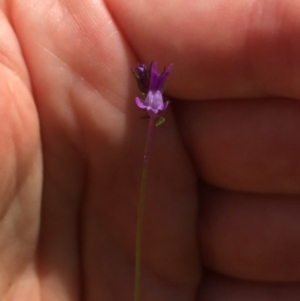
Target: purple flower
<point x="152" y="84"/>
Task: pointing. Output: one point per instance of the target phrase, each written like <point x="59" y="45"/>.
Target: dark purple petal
<point x="141" y="70"/>
<point x="141" y="74"/>
<point x="157" y="81"/>
<point x="163" y="78"/>
<point x="153" y="76"/>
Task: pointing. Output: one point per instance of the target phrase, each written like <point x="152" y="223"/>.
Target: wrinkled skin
<point x="222" y="214"/>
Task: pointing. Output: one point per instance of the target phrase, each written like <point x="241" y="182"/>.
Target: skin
<point x="222" y="213"/>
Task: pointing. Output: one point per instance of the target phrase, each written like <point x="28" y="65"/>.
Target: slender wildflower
<point x="152" y="85"/>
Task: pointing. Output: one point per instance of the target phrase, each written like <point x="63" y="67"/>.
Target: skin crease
<point x="222" y="211"/>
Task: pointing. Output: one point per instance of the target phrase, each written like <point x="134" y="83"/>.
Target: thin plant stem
<point x="140" y="216"/>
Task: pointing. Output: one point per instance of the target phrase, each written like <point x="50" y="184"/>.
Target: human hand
<point x="221" y="217"/>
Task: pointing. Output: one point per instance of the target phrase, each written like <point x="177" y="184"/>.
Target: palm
<point x="71" y="203"/>
<point x="92" y="153"/>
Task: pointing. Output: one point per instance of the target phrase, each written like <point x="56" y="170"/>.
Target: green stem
<point x="141" y="205"/>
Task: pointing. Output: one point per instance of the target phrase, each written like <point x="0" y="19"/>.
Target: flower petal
<point x="166" y="105"/>
<point x="141" y="74"/>
<point x="153" y="76"/>
<point x="154" y="101"/>
<point x="163" y="77"/>
<point x="141" y="70"/>
<point x="140" y="103"/>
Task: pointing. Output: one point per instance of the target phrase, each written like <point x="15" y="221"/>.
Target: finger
<point x="230" y="289"/>
<point x="246" y="145"/>
<point x="220" y="49"/>
<point x="251" y="236"/>
<point x="20" y="172"/>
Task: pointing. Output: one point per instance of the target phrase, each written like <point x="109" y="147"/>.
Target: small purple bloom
<point x="152" y="84"/>
<point x="142" y="77"/>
